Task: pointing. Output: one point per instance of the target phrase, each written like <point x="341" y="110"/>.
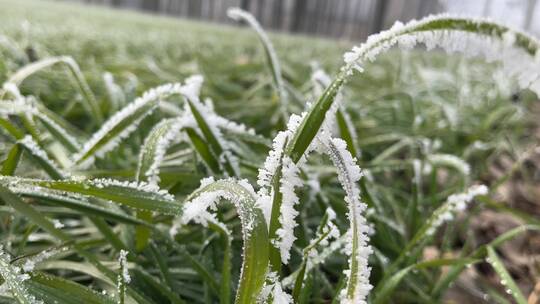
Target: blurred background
<point x="345" y="19"/>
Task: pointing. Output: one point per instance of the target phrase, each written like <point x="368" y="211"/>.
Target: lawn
<point x="147" y="159"/>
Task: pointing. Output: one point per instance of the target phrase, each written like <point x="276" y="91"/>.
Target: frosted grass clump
<point x="454" y="204"/>
<point x="91" y="105"/>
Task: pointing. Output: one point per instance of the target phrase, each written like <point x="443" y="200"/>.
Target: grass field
<point x="109" y="194"/>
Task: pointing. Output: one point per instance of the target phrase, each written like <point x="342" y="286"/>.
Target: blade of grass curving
<point x="454" y="203"/>
<point x="91" y="105"/>
<point x="141" y="196"/>
<point x="431" y="31"/>
<point x="358" y="285"/>
<point x="506" y="278"/>
<point x="31" y="109"/>
<point x="58" y="132"/>
<point x="254" y="230"/>
<point x="271" y="56"/>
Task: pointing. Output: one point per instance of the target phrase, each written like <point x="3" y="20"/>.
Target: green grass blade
<point x="11" y="128"/>
<point x="12" y="160"/>
<point x="82" y="205"/>
<point x="53" y="289"/>
<point x="380" y="43"/>
<point x="213" y="137"/>
<point x="123" y="277"/>
<point x="387" y="287"/>
<point x="255" y="236"/>
<point x="150" y="158"/>
<point x="326" y="230"/>
<point x="506" y="279"/>
<point x="270" y="53"/>
<point x="135" y="195"/>
<point x="122" y="124"/>
<point x="346" y="131"/>
<point x="203" y="149"/>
